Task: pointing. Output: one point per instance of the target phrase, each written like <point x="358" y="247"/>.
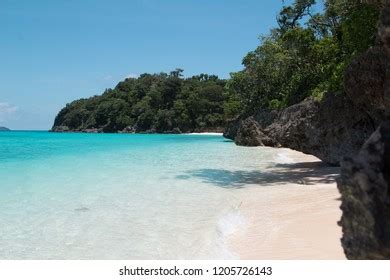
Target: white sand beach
<point x="293" y="218"/>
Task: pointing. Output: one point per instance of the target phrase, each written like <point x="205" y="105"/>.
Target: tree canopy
<point x="152" y="102"/>
<point x="306" y="55"/>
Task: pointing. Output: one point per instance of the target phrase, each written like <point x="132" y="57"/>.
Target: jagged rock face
<point x="365" y="82"/>
<point x="365" y="188"/>
<point x="61" y="128"/>
<point x="265" y="117"/>
<point x="64" y="128"/>
<point x="231" y="129"/>
<point x="330" y="129"/>
<point x="249" y="133"/>
<point x="129" y="129"/>
<point x="365" y="179"/>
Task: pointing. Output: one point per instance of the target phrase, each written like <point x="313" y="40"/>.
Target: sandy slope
<point x="294" y="217"/>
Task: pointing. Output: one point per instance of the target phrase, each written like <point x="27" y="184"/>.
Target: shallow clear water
<point x="112" y="196"/>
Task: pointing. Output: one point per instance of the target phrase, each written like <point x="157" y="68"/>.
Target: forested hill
<point x="151" y="103"/>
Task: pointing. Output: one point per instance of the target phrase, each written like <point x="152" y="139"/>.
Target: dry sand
<point x="294" y="217"/>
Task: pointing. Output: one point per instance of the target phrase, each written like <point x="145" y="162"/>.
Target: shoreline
<point x="203" y="133"/>
<point x="296" y="219"/>
<point x="136" y="133"/>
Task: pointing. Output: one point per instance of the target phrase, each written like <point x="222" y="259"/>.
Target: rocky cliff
<point x="364" y="183"/>
<point x="365" y="190"/>
<point x="329" y="129"/>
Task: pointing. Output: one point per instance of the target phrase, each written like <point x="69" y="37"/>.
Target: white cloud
<point x="6" y="110"/>
<point x="132" y="75"/>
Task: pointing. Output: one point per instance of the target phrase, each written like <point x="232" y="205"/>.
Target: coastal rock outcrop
<point x="231" y="129"/>
<point x="2" y="128"/>
<point x="249" y="133"/>
<point x="129" y="129"/>
<point x="329" y="129"/>
<point x="364" y="183"/>
<point x="365" y="189"/>
<point x="65" y="128"/>
<point x="61" y="128"/>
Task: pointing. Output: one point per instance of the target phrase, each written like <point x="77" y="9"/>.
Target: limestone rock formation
<point x="249" y="133"/>
<point x="365" y="179"/>
<point x="231" y="129"/>
<point x="330" y="129"/>
<point x="61" y="128"/>
<point x="365" y="188"/>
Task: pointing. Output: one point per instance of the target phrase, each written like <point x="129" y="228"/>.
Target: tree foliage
<point x="306" y="55"/>
<point x="159" y="102"/>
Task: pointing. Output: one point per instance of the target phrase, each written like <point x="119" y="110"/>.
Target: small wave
<point x="227" y="225"/>
<point x="283" y="158"/>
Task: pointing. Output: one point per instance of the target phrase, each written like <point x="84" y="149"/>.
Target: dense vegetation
<point x="306" y="55"/>
<point x="151" y="103"/>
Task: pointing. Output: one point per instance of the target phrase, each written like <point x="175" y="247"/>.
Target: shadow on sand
<point x="305" y="173"/>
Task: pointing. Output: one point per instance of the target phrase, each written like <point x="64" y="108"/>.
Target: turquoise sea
<point x="121" y="196"/>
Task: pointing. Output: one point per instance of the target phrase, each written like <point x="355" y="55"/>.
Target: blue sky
<point x="53" y="51"/>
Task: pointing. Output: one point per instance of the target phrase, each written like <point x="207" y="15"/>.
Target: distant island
<point x="152" y="103"/>
<point x="2" y="128"/>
